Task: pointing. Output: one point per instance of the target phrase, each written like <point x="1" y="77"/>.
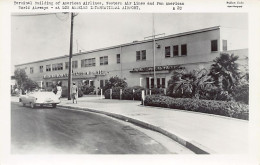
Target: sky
<point x="41" y="37"/>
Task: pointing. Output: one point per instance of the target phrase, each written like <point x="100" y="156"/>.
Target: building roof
<point x="131" y="43"/>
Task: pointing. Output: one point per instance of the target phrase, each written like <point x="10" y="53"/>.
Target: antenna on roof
<point x="154" y="35"/>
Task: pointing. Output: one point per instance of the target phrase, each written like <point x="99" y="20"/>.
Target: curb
<point x="192" y="145"/>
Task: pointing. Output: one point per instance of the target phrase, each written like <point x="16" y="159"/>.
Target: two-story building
<point x="134" y="61"/>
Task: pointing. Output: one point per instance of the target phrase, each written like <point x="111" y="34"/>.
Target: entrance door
<point x="151" y="84"/>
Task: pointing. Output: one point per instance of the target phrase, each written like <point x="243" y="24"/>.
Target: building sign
<point x="157" y="68"/>
<point x="93" y="73"/>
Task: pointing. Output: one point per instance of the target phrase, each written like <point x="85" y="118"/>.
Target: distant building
<point x="134" y="61"/>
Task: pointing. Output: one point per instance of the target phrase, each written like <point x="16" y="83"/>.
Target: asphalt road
<point x="58" y="131"/>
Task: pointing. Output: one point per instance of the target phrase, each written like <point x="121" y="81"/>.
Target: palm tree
<point x="225" y="71"/>
<point x="189" y="84"/>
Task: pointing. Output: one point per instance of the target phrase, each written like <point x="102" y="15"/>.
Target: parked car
<point x="39" y="98"/>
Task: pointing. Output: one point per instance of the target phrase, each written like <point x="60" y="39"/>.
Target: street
<point x="49" y="130"/>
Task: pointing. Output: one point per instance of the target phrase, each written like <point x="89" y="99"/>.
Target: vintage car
<point x="39" y="98"/>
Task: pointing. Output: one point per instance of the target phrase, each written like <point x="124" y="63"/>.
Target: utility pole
<point x="153" y="36"/>
<point x="70" y="57"/>
<point x="154" y="75"/>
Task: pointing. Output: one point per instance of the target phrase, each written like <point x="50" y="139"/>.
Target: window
<point x="48" y="68"/>
<point x="184" y="49"/>
<point x="66" y="65"/>
<point x="31" y="70"/>
<point x="147" y="83"/>
<point x="91" y="82"/>
<point x="58" y="66"/>
<point x="87" y="62"/>
<point x="175" y="50"/>
<point x="74" y="64"/>
<point x="41" y="69"/>
<point x="104" y="60"/>
<point x="163" y="82"/>
<point x="101" y="83"/>
<point x="167" y="51"/>
<point x="140" y="55"/>
<point x="158" y="83"/>
<point x="118" y="58"/>
<point x="48" y="84"/>
<point x="143" y="54"/>
<point x="152" y="82"/>
<point x="224" y="42"/>
<point x="54" y="67"/>
<point x="214" y="45"/>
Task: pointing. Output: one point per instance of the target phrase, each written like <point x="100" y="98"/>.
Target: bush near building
<point x="223" y="82"/>
<point x="115" y="82"/>
<point x="86" y="89"/>
<point x="224" y="108"/>
<point x="130" y="93"/>
<point x="115" y="93"/>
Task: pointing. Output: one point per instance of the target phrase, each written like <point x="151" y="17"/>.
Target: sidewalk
<point x="202" y="133"/>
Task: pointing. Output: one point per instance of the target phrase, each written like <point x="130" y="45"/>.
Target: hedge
<point x="115" y="93"/>
<point x="127" y="93"/>
<point x="224" y="108"/>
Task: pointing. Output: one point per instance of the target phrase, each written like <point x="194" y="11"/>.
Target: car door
<point x="30" y="98"/>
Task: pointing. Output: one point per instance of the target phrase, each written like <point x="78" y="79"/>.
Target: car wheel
<point x="54" y="105"/>
<point x="32" y="105"/>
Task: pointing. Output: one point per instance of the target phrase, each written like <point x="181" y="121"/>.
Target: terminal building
<point x="134" y="62"/>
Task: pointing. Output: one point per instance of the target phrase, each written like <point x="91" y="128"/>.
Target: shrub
<point x="86" y="89"/>
<point x="80" y="93"/>
<point x="128" y="93"/>
<point x="115" y="93"/>
<point x="115" y="82"/>
<point x="241" y="93"/>
<point x="138" y="92"/>
<point x="224" y="108"/>
<point x="157" y="91"/>
<point x="215" y="93"/>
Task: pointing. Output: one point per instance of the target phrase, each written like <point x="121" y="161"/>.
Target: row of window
<point x="74" y="64"/>
<point x="176" y="50"/>
<point x="140" y="56"/>
<point x="84" y="63"/>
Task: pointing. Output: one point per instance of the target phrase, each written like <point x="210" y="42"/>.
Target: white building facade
<point x="134" y="62"/>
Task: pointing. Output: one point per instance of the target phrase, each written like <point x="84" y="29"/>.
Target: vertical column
<point x="141" y="81"/>
<point x="150" y="82"/>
